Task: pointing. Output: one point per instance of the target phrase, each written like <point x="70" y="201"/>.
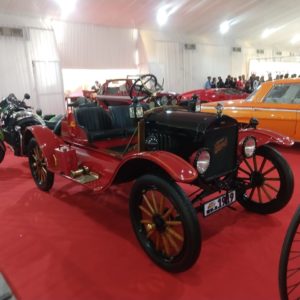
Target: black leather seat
<point x="121" y="118"/>
<point x="97" y="123"/>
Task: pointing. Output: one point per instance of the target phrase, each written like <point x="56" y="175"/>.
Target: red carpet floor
<point x="75" y="244"/>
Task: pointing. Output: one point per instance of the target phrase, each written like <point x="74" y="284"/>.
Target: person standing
<point x="240" y="84"/>
<point x="220" y="83"/>
<point x="208" y="83"/>
<point x="213" y="84"/>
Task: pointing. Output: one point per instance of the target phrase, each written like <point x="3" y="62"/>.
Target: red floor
<point x="74" y="244"/>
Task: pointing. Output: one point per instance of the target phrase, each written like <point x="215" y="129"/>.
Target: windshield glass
<point x="250" y="97"/>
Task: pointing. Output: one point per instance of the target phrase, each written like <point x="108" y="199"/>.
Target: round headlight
<point x="164" y="100"/>
<point x="249" y="146"/>
<point x="202" y="161"/>
<point x="174" y="101"/>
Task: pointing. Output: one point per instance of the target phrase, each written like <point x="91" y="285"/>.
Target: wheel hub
<point x="257" y="178"/>
<point x="159" y="222"/>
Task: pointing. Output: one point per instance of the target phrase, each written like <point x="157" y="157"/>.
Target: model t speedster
<point x="161" y="150"/>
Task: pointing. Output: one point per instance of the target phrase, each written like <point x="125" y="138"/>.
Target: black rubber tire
<point x="286" y="187"/>
<point x="2" y="151"/>
<point x="191" y="244"/>
<point x="43" y="184"/>
<point x="284" y="258"/>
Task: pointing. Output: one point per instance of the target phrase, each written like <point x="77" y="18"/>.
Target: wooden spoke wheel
<point x="41" y="175"/>
<point x="268" y="181"/>
<point x="165" y="223"/>
<point x="289" y="266"/>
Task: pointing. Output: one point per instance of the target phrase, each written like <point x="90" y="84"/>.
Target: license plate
<point x="216" y="204"/>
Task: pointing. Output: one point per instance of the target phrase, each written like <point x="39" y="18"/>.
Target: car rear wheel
<point x="268" y="181"/>
<point x="42" y="176"/>
<point x="165" y="223"/>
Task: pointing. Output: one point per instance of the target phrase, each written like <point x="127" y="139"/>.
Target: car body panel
<point x="101" y="160"/>
<point x="213" y="95"/>
<point x="276" y="116"/>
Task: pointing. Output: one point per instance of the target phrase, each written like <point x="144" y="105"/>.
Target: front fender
<point x="46" y="140"/>
<point x="176" y="167"/>
<point x="265" y="136"/>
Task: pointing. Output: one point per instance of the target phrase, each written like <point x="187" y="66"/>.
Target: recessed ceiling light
<point x="268" y="31"/>
<point x="66" y="6"/>
<point x="164" y="12"/>
<point x="162" y="16"/>
<point x="224" y="27"/>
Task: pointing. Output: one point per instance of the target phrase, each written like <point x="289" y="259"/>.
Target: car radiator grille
<point x="222" y="145"/>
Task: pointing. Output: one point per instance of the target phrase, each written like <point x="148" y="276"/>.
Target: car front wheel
<point x="267" y="181"/>
<point x="165" y="223"/>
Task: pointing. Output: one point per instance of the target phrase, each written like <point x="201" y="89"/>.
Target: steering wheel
<point x="144" y="87"/>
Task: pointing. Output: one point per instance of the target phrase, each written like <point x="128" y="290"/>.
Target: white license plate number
<point x="216" y="204"/>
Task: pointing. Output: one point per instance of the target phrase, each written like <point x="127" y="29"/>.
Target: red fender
<point x="47" y="141"/>
<point x="179" y="169"/>
<point x="265" y="136"/>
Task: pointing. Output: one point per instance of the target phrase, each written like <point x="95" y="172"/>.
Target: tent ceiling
<point x="195" y="17"/>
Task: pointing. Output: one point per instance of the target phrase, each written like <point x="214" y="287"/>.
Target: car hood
<point x="188" y="124"/>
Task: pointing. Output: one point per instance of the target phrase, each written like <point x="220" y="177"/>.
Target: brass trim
<point x="55" y="160"/>
<point x="141" y="135"/>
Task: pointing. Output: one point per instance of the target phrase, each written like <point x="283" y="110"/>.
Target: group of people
<point x="241" y="83"/>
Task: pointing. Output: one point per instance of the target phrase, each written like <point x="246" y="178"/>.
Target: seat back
<point x="93" y="118"/>
<point x="120" y="117"/>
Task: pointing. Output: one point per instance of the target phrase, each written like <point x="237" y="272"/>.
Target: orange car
<point x="275" y="104"/>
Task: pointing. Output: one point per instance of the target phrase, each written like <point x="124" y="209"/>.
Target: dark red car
<point x="211" y="95"/>
<point x="144" y="87"/>
<point x="162" y="150"/>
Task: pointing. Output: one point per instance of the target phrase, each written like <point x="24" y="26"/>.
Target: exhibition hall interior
<point x="149" y="149"/>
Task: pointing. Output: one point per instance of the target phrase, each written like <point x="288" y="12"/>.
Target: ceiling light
<point x="66" y="6"/>
<point x="295" y="39"/>
<point x="224" y="27"/>
<point x="163" y="14"/>
<point x="268" y="31"/>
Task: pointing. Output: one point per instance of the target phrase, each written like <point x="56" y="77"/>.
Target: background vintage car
<point x="275" y="104"/>
<point x="212" y="95"/>
<point x="121" y="91"/>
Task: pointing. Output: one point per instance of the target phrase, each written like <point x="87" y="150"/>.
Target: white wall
<point x="30" y="64"/>
<point x="184" y="69"/>
<point x="84" y="46"/>
<point x="109" y="52"/>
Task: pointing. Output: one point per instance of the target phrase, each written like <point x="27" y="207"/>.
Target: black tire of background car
<point x="286" y="184"/>
<point x="292" y="235"/>
<point x="191" y="244"/>
<point x="2" y="151"/>
<point x="43" y="184"/>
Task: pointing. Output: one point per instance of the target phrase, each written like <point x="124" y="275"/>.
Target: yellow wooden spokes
<point x="167" y="239"/>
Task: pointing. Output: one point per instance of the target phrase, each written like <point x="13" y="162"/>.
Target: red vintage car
<point x="145" y="87"/>
<point x="161" y="150"/>
<point x="212" y="95"/>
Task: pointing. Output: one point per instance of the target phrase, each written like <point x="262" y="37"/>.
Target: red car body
<point x="212" y="95"/>
<point x="163" y="217"/>
<point x="116" y="92"/>
<point x="158" y="150"/>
